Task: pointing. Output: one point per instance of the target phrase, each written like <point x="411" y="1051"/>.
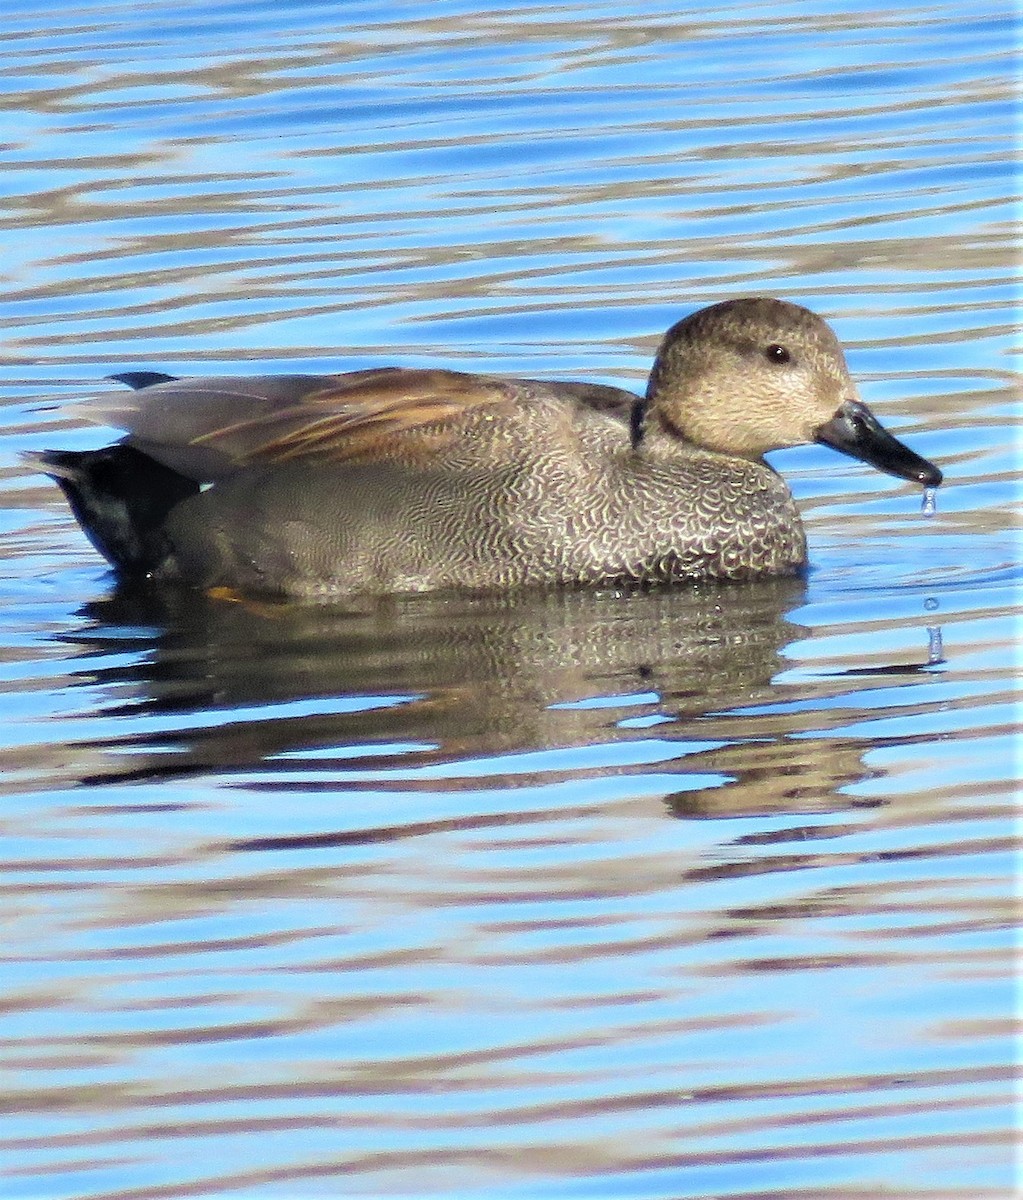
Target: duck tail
<point x="121" y="498"/>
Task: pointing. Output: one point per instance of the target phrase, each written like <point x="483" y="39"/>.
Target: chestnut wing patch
<point x="365" y="415"/>
<point x="208" y="427"/>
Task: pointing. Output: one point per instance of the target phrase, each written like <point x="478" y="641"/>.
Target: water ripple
<point x="693" y="893"/>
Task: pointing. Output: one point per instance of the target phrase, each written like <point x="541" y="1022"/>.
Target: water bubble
<point x="930" y="503"/>
<point x="930" y="604"/>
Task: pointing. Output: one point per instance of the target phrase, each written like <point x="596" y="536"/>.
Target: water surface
<point x="701" y="892"/>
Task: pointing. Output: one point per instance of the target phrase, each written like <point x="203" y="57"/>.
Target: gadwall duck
<point x="397" y="480"/>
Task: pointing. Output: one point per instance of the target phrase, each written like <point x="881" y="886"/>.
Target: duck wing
<point x="209" y="427"/>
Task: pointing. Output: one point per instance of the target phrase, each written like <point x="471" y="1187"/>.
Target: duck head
<point x="747" y="376"/>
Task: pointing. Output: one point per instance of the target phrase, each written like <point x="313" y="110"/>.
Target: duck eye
<point x="777" y="354"/>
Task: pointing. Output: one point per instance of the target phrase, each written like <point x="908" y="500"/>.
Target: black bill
<point x="854" y="430"/>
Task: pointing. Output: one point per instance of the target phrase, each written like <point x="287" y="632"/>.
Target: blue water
<point x="694" y="893"/>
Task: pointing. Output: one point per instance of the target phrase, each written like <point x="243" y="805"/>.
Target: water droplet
<point x="930" y="504"/>
<point x="930" y="604"/>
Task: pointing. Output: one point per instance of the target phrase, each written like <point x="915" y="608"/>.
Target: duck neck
<point x="650" y="432"/>
<point x="637" y="421"/>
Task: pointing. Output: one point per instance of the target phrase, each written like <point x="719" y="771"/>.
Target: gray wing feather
<point x="168" y="420"/>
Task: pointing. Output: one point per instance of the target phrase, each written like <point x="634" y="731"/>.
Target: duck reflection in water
<point x="431" y="681"/>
